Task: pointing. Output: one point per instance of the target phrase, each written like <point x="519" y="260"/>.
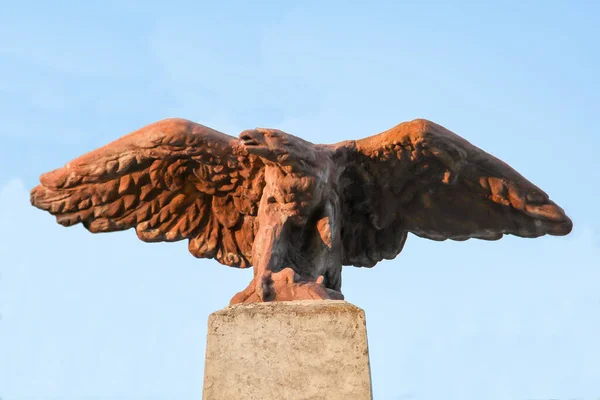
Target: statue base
<point x="288" y="350"/>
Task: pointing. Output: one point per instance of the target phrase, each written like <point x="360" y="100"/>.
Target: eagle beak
<point x="248" y="138"/>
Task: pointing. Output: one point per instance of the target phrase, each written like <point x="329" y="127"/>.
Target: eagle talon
<point x="264" y="287"/>
<point x="285" y="285"/>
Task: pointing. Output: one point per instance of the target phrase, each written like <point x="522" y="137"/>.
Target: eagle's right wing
<point x="171" y="180"/>
<point x="419" y="177"/>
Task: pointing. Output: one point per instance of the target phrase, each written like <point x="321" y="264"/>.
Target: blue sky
<point x="108" y="317"/>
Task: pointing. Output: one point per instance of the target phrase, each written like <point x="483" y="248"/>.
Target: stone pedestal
<point x="288" y="350"/>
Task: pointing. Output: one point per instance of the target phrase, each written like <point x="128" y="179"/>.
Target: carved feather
<point x="419" y="177"/>
<point x="171" y="180"/>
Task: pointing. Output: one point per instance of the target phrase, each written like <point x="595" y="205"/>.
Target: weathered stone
<point x="287" y="350"/>
<point x="294" y="211"/>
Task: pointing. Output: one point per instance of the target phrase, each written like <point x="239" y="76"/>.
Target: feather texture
<point x="171" y="180"/>
<point x="419" y="177"/>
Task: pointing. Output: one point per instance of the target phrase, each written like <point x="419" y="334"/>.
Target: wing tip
<point x="562" y="228"/>
<point x="551" y="218"/>
<point x="39" y="198"/>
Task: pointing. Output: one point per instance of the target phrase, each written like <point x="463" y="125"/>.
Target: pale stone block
<point x="288" y="350"/>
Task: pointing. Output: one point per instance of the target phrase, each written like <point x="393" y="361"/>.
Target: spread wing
<point x="171" y="180"/>
<point x="419" y="177"/>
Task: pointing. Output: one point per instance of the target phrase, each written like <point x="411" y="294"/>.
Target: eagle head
<point x="277" y="147"/>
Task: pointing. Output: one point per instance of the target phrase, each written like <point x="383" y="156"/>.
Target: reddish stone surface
<point x="293" y="210"/>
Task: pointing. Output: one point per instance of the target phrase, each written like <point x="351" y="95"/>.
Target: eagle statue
<point x="293" y="210"/>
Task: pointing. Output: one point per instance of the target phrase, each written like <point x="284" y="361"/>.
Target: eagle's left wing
<point x="419" y="177"/>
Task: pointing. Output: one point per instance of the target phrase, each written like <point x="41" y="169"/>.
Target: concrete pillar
<point x="288" y="350"/>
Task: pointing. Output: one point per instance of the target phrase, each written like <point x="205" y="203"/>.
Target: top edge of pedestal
<point x="298" y="306"/>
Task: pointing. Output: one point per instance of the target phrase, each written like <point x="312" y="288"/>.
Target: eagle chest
<point x="290" y="189"/>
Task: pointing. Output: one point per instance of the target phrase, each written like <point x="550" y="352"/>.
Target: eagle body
<point x="298" y="216"/>
<point x="295" y="211"/>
